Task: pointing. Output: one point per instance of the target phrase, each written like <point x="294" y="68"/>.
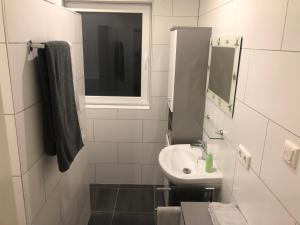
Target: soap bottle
<point x="209" y="163"/>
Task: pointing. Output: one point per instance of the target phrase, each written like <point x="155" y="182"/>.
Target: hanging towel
<point x="168" y="215"/>
<point x="62" y="132"/>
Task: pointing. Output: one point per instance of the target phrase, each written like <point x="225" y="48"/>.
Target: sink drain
<point x="186" y="171"/>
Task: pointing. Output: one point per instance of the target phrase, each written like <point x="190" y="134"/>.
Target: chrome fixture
<point x="202" y="145"/>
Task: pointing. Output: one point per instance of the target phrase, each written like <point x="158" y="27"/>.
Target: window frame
<point x="122" y="101"/>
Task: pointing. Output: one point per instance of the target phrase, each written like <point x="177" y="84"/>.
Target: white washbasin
<point x="176" y="160"/>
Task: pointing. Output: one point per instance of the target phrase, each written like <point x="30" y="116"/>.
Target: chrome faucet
<point x="202" y="145"/>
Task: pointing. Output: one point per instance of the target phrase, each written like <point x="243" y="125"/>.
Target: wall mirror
<point x="222" y="73"/>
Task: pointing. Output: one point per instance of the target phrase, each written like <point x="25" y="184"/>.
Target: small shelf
<point x="211" y="130"/>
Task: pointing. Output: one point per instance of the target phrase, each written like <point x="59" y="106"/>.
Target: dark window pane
<point x="112" y="45"/>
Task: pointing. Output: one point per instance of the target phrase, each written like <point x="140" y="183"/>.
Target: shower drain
<point x="186" y="170"/>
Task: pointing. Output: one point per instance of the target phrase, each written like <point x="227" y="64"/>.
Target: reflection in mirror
<point x="223" y="68"/>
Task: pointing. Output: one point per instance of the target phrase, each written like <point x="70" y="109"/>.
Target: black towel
<point x="62" y="134"/>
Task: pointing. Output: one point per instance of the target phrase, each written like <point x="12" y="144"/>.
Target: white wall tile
<point x="208" y="5"/>
<point x="257" y="203"/>
<point x="292" y="30"/>
<point x="19" y="199"/>
<point x="13" y="144"/>
<point x="118" y="174"/>
<point x="247" y="128"/>
<point x="243" y="74"/>
<point x="258" y="34"/>
<point x="159" y="83"/>
<point x="24" y="80"/>
<point x="278" y="176"/>
<point x="160" y="58"/>
<point x="152" y="175"/>
<point x="5" y="82"/>
<point x="217" y="116"/>
<point x="272" y="87"/>
<point x="154" y="130"/>
<point x="143" y="153"/>
<point x="2" y="36"/>
<point x="34" y="190"/>
<point x="222" y="20"/>
<point x="90" y="129"/>
<point x="30" y="136"/>
<point x="162" y="26"/>
<point x="162" y="7"/>
<point x="185" y="8"/>
<point x="158" y="111"/>
<point x="52" y="174"/>
<point x="102" y="113"/>
<point x="118" y="130"/>
<point x="226" y="195"/>
<point x="92" y="173"/>
<point x="77" y="61"/>
<point x="226" y="161"/>
<point x="44" y="29"/>
<point x="51" y="212"/>
<point x="102" y="152"/>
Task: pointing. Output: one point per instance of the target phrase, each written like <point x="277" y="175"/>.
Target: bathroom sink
<point x="183" y="165"/>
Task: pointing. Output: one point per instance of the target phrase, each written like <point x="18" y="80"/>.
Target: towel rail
<point x="31" y="45"/>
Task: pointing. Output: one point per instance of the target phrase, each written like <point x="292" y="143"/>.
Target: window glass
<point x="112" y="45"/>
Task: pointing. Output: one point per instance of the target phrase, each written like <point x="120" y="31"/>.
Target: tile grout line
<point x="264" y="149"/>
<point x="284" y="25"/>
<point x="115" y="206"/>
<point x="278" y="124"/>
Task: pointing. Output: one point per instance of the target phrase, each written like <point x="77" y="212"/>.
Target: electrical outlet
<point x="244" y="157"/>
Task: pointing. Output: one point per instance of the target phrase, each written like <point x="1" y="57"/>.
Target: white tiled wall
<point x="124" y="143"/>
<point x="266" y="111"/>
<point x="44" y="196"/>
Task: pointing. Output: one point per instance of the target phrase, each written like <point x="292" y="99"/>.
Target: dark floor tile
<point x="133" y="219"/>
<point x="103" y="199"/>
<point x="103" y="218"/>
<point x="136" y="186"/>
<point x="135" y="200"/>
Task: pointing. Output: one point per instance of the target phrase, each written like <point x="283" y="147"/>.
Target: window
<point x="116" y="50"/>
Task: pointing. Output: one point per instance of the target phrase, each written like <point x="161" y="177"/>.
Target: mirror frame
<point x="225" y="42"/>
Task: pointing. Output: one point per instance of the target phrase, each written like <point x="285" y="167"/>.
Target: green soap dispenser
<point x="209" y="163"/>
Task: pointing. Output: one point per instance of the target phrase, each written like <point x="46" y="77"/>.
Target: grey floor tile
<point x="135" y="200"/>
<point x="101" y="218"/>
<point x="133" y="219"/>
<point x="103" y="199"/>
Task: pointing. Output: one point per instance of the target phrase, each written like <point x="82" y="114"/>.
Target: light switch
<point x="244" y="156"/>
<point x="290" y="153"/>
